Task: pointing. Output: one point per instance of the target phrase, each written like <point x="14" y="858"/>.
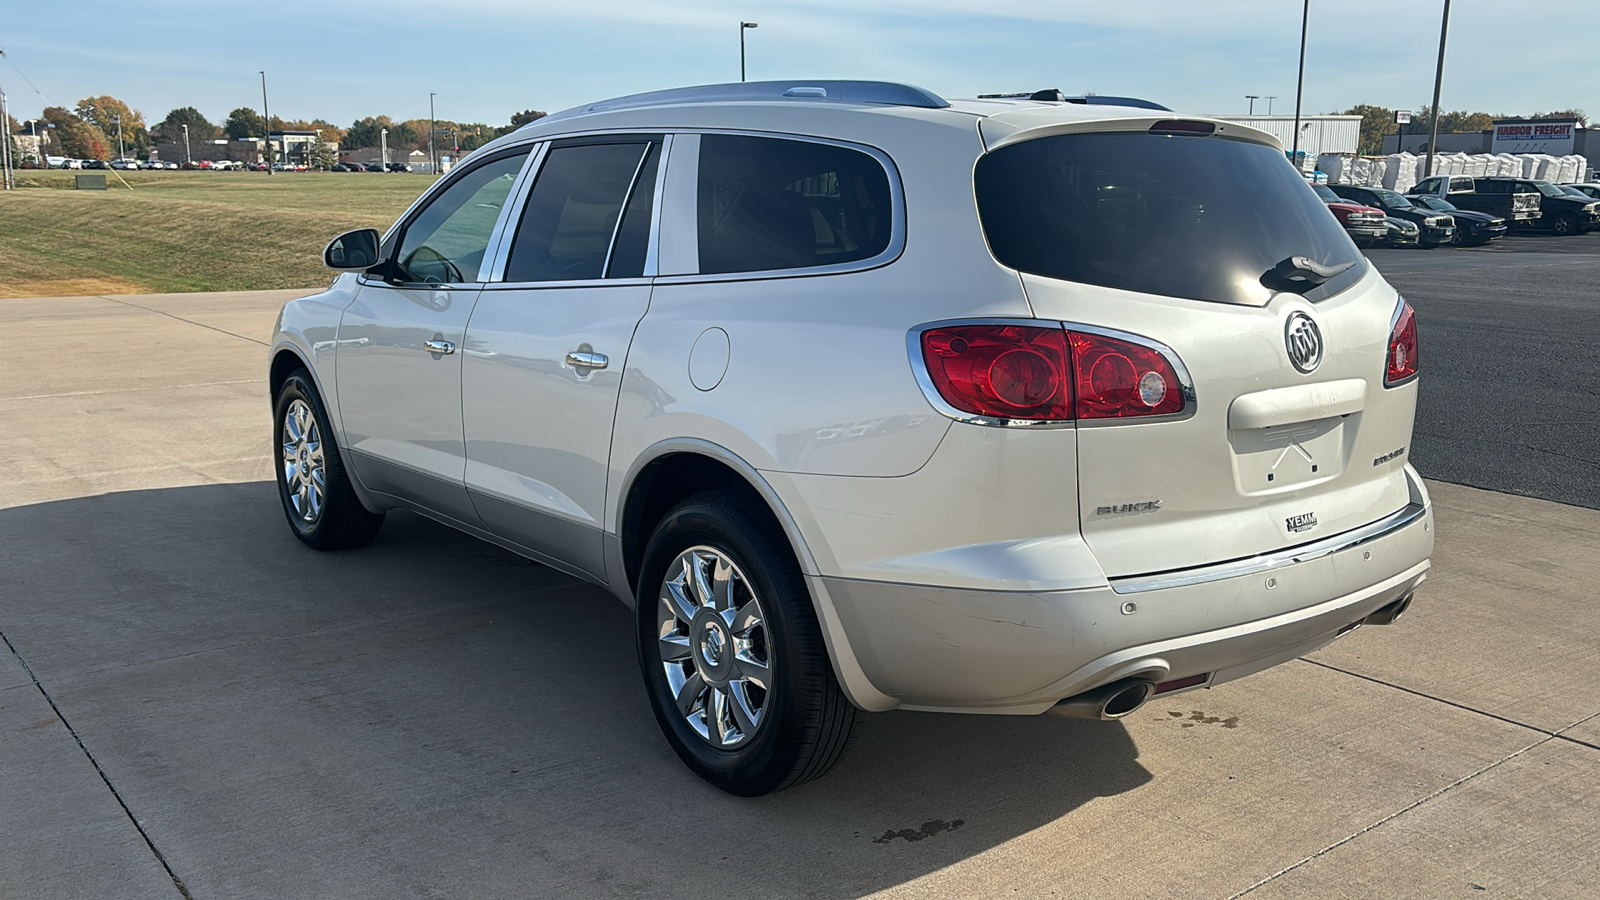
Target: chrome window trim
<point x="919" y="368"/>
<point x="513" y="212"/>
<point x="897" y="213"/>
<point x="496" y="279"/>
<point x="1266" y="562"/>
<point x="622" y="211"/>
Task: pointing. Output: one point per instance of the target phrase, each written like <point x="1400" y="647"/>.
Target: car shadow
<point x="433" y="715"/>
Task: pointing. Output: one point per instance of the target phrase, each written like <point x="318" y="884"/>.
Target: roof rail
<point x="885" y="93"/>
<point x="1054" y="95"/>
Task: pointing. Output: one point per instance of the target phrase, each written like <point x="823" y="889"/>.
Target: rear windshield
<point x="1200" y="218"/>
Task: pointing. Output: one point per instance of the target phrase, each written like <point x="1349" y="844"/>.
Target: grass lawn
<point x="185" y="231"/>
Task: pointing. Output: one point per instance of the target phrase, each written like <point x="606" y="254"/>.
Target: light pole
<point x="117" y="118"/>
<point x="383" y="141"/>
<point x="266" y="122"/>
<point x="1438" y="81"/>
<point x="433" y="161"/>
<point x="187" y="159"/>
<point x="1269" y="103"/>
<point x="1300" y="85"/>
<point x="1252" y="98"/>
<point x="743" y="26"/>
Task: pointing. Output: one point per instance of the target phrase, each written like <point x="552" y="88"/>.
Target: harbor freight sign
<point x="1556" y="137"/>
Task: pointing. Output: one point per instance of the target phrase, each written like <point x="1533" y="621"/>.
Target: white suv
<point x="864" y="400"/>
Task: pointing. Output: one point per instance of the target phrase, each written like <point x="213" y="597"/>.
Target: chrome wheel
<point x="304" y="475"/>
<point x="714" y="649"/>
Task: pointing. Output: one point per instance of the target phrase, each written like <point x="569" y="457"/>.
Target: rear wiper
<point x="1300" y="274"/>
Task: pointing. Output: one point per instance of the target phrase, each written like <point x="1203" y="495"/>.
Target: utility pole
<point x="1300" y="85"/>
<point x="266" y="122"/>
<point x="743" y="26"/>
<point x="1438" y="81"/>
<point x="433" y="125"/>
<point x="6" y="181"/>
<point x="5" y="145"/>
<point x="1252" y="98"/>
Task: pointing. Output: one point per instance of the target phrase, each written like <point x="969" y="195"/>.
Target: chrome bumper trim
<point x="1338" y="543"/>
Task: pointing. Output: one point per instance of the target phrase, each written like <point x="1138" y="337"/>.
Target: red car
<point x="1365" y="224"/>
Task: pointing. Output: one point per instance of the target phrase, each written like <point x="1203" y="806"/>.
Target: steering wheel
<point x="433" y="259"/>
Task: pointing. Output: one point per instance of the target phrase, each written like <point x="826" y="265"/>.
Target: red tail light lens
<point x="1402" y="359"/>
<point x="1003" y="371"/>
<point x="1118" y="379"/>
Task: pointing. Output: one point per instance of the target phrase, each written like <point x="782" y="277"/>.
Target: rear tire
<point x="321" y="506"/>
<point x="733" y="659"/>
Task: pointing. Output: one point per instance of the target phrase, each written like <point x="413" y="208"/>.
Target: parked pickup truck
<point x="1563" y="213"/>
<point x="1516" y="207"/>
<point x="1365" y="225"/>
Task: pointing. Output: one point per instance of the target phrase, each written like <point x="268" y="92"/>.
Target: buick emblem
<point x="1304" y="341"/>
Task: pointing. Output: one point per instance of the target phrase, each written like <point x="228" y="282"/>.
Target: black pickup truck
<point x="1518" y="207"/>
<point x="1563" y="213"/>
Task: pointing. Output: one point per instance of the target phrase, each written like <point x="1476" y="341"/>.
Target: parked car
<point x="1588" y="190"/>
<point x="1403" y="233"/>
<point x="1516" y="207"/>
<point x="1472" y="227"/>
<point x="820" y="397"/>
<point x="69" y="164"/>
<point x="1435" y="228"/>
<point x="96" y="164"/>
<point x="398" y="167"/>
<point x="1563" y="214"/>
<point x="1364" y="224"/>
<point x="374" y="167"/>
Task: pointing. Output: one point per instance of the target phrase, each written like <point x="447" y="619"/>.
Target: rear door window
<point x="1201" y="218"/>
<point x="773" y="203"/>
<point x="574" y="215"/>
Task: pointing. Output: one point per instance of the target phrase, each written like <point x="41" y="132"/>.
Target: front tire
<point x="321" y="506"/>
<point x="731" y="653"/>
<point x="1564" y="225"/>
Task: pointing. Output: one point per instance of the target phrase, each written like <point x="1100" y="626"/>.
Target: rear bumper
<point x="1019" y="652"/>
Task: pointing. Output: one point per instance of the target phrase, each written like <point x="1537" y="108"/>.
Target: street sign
<point x="1402" y="117"/>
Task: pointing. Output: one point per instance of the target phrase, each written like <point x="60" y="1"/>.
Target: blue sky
<point x="489" y="58"/>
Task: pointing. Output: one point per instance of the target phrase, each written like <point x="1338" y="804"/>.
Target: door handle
<point x="586" y="360"/>
<point x="444" y="347"/>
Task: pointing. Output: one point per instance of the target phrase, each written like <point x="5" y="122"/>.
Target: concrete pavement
<point x="189" y="696"/>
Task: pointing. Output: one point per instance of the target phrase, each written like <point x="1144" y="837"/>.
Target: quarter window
<point x="446" y="242"/>
<point x="572" y="218"/>
<point x="771" y="203"/>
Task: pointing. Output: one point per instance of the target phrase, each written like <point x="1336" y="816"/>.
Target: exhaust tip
<point x="1390" y="614"/>
<point x="1128" y="700"/>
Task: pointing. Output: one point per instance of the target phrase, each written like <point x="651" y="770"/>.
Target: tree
<point x="322" y="156"/>
<point x="1376" y="121"/>
<point x="364" y="133"/>
<point x="528" y="115"/>
<point x="79" y="139"/>
<point x="170" y="129"/>
<point x="1580" y="115"/>
<point x="244" y="122"/>
<point x="105" y="111"/>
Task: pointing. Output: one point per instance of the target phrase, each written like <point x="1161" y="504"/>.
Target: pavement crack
<point x="181" y="319"/>
<point x="1549" y="736"/>
<point x="62" y="716"/>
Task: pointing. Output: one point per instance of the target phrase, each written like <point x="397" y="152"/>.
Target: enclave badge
<point x="1302" y="522"/>
<point x="1303" y="339"/>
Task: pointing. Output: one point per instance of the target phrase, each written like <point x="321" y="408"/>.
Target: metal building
<point x="1318" y="134"/>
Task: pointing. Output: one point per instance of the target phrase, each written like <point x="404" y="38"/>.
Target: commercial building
<point x="1553" y="137"/>
<point x="1319" y="134"/>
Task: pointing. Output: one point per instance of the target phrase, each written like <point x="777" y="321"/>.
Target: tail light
<point x="1020" y="374"/>
<point x="1001" y="371"/>
<point x="1402" y="357"/>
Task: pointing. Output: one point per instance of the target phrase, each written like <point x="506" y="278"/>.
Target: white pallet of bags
<point x="1400" y="172"/>
<point x="1375" y="174"/>
<point x="1510" y="165"/>
<point x="1360" y="171"/>
<point x="1572" y="169"/>
<point x="1477" y="166"/>
<point x="1547" y="169"/>
<point x="1336" y="166"/>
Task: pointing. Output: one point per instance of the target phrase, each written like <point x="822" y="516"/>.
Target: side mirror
<point x="353" y="251"/>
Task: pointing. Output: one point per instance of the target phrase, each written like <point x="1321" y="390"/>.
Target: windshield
<point x="1200" y="218"/>
<point x="1327" y="194"/>
<point x="1434" y="203"/>
<point x="1548" y="189"/>
<point x="1392" y="200"/>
